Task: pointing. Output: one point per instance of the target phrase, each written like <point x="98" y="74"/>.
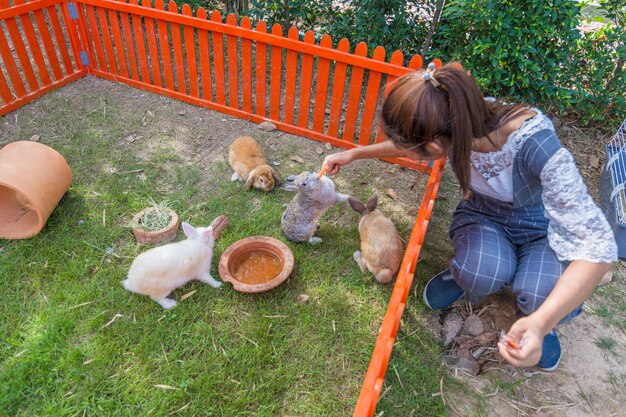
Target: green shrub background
<point x="530" y="51"/>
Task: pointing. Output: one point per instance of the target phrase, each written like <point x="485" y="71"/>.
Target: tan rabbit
<point x="159" y="271"/>
<point x="248" y="161"/>
<point x="381" y="247"/>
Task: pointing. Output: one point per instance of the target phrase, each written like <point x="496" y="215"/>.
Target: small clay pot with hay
<point x="156" y="224"/>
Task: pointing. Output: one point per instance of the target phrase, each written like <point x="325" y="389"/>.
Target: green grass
<point x="609" y="302"/>
<point x="223" y="353"/>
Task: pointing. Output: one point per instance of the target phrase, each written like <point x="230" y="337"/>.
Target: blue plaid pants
<point x="497" y="245"/>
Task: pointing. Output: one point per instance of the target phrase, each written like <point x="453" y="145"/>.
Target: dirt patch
<point x="591" y="379"/>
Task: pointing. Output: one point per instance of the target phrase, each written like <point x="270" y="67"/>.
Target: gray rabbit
<point x="315" y="196"/>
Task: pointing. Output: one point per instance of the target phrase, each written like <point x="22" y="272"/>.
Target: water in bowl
<point x="257" y="267"/>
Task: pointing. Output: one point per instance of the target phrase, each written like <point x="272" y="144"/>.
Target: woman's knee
<point x="480" y="276"/>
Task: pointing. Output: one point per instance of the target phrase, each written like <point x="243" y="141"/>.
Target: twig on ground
<point x="249" y="340"/>
<point x="80" y="305"/>
<point x="132" y="171"/>
<point x="398" y="375"/>
<point x="164" y="354"/>
<point x="585" y="396"/>
<point x="510" y="404"/>
<point x="184" y="407"/>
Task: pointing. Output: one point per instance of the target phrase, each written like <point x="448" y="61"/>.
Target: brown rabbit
<point x="381" y="247"/>
<point x="248" y="161"/>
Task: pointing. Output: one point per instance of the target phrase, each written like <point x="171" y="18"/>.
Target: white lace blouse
<point x="577" y="228"/>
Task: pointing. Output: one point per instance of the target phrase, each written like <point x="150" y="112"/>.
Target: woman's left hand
<point x="528" y="336"/>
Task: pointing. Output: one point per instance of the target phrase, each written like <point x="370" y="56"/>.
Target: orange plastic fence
<point x="31" y="64"/>
<point x="303" y="86"/>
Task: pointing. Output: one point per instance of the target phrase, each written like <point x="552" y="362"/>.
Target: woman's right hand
<point x="334" y="162"/>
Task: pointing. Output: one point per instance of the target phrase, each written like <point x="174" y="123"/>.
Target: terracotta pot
<point x="166" y="234"/>
<point x="33" y="178"/>
<point x="237" y="251"/>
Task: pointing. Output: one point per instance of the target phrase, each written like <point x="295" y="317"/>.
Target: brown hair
<point x="455" y="112"/>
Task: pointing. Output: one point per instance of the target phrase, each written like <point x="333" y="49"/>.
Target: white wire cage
<point x="613" y="187"/>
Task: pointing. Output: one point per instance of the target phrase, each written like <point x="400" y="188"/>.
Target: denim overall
<point x="498" y="243"/>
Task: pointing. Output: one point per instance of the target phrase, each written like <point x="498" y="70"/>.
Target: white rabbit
<point x="381" y="247"/>
<point x="159" y="271"/>
<point x="315" y="196"/>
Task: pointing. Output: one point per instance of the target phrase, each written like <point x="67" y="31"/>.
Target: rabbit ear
<point x="250" y="180"/>
<point x="372" y="203"/>
<point x="189" y="230"/>
<point x="208" y="232"/>
<point x="356" y="205"/>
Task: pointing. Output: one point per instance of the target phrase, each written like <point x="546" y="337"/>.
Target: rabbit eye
<point x="304" y="184"/>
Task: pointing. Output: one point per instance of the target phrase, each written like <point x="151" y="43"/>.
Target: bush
<point x="394" y="24"/>
<point x="515" y="54"/>
<point x="533" y="51"/>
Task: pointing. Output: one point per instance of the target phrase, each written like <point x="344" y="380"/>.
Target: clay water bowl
<point x="256" y="264"/>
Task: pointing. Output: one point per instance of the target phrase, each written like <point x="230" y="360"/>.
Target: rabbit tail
<point x="384" y="276"/>
<point x="126" y="283"/>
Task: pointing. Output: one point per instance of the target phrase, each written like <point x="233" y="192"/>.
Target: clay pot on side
<point x="33" y="178"/>
<point x="239" y="250"/>
<point x="164" y="235"/>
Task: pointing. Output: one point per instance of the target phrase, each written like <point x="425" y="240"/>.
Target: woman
<point x="527" y="220"/>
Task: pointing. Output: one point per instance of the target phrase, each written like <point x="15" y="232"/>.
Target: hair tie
<point x="429" y="75"/>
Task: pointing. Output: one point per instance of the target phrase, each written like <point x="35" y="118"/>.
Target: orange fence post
<point x="205" y="59"/>
<point x="233" y="66"/>
<point x="371" y="99"/>
<point x="339" y="82"/>
<point x="246" y="68"/>
<point x="190" y="52"/>
<point x="321" y="91"/>
<point x="128" y="45"/>
<point x="155" y="61"/>
<point x="261" y="68"/>
<point x="276" y="74"/>
<point x="354" y="96"/>
<point x="179" y="63"/>
<point x="291" y="76"/>
<point x="306" y="83"/>
<point x="218" y="60"/>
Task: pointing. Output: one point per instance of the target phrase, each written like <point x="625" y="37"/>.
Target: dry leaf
<point x="474" y="325"/>
<point x="165" y="386"/>
<point x="452" y="325"/>
<point x="88" y="361"/>
<point x="319" y="150"/>
<point x="328" y="146"/>
<point x="142" y="176"/>
<point x="468" y="365"/>
<point x="297" y="159"/>
<point x="110" y="322"/>
<point x="392" y="193"/>
<point x="594" y="161"/>
<point x="184" y="407"/>
<point x="486" y="338"/>
<point x="189" y="294"/>
<point x="303" y="298"/>
<point x="35" y="138"/>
